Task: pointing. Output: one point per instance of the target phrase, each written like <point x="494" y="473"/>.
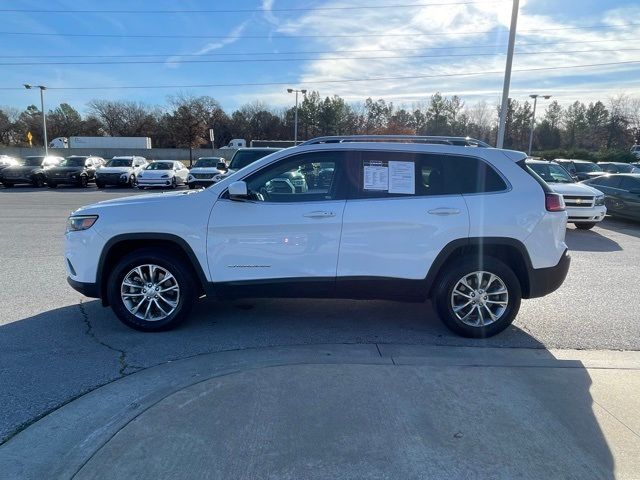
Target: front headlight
<point x="77" y="223"/>
<point x="599" y="200"/>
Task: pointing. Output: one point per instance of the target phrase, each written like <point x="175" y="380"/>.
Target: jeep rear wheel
<point x="478" y="298"/>
<point x="151" y="290"/>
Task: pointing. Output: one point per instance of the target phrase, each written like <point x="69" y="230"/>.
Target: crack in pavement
<point x="122" y="354"/>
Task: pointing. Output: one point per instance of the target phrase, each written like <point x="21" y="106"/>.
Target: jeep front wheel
<point x="478" y="298"/>
<point x="151" y="290"/>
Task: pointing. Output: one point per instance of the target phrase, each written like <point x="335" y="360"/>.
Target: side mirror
<point x="221" y="166"/>
<point x="238" y="190"/>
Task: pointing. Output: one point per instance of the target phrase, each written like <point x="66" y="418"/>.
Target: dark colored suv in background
<point x="75" y="170"/>
<point x="32" y="171"/>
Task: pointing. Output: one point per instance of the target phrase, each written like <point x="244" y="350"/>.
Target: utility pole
<point x="504" y="105"/>
<point x="44" y="116"/>
<point x="295" y="122"/>
<point x="533" y="118"/>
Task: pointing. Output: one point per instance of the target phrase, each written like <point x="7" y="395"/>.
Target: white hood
<point x="154" y="174"/>
<point x="573" y="189"/>
<point x="114" y="170"/>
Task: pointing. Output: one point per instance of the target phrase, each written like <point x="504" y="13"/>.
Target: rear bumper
<point x="543" y="281"/>
<point x="86" y="289"/>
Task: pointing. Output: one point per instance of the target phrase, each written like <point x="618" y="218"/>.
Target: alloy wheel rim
<point x="479" y="298"/>
<point x="150" y="292"/>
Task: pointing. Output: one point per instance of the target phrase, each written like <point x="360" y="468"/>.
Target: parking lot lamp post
<point x="44" y="116"/>
<point x="533" y="118"/>
<point x="295" y="121"/>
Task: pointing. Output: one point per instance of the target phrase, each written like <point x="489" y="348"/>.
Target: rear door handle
<point x="442" y="212"/>
<point x="319" y="214"/>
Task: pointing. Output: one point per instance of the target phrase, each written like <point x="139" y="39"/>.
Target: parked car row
<point x="124" y="171"/>
<point x="585" y="170"/>
<point x="600" y="193"/>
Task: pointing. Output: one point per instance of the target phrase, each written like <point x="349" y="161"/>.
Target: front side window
<point x="302" y="178"/>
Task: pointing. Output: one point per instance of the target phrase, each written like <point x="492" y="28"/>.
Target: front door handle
<point x="442" y="212"/>
<point x="319" y="214"/>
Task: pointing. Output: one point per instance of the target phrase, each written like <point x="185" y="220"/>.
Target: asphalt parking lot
<point x="56" y="345"/>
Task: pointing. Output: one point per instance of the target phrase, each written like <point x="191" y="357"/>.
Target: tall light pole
<point x="295" y="122"/>
<point x="504" y="106"/>
<point x="533" y="118"/>
<point x="44" y="116"/>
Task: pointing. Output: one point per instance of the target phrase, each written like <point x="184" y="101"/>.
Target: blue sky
<point x="475" y="42"/>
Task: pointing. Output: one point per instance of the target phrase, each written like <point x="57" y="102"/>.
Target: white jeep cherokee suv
<point x="403" y="218"/>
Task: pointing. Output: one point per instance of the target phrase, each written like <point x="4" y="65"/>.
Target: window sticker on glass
<point x="402" y="177"/>
<point x="375" y="175"/>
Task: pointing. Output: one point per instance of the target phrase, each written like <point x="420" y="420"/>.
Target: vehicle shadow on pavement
<point x="590" y="241"/>
<point x="437" y="410"/>
<point x="622" y="226"/>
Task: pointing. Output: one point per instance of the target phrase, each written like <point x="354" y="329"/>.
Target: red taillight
<point x="554" y="202"/>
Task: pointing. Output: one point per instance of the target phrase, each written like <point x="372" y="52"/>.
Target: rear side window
<point x="606" y="181"/>
<point x="402" y="174"/>
<point x="629" y="183"/>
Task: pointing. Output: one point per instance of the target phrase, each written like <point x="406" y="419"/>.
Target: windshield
<point x="242" y="158"/>
<point x="587" y="167"/>
<point x="551" y="173"/>
<point x="207" y="163"/>
<point x="73" y="162"/>
<point x="120" y="162"/>
<point x="160" y="166"/>
<point x="33" y="161"/>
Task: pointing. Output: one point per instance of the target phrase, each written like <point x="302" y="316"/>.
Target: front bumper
<point x="155" y="182"/>
<point x="67" y="179"/>
<point x="86" y="289"/>
<point x="543" y="281"/>
<point x="590" y="214"/>
<point x="112" y="180"/>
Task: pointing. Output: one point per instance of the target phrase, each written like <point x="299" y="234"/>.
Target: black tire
<point x="83" y="182"/>
<point x="133" y="181"/>
<point x="99" y="184"/>
<point x="191" y="186"/>
<point x="38" y="181"/>
<point x="166" y="259"/>
<point x="52" y="185"/>
<point x="448" y="280"/>
<point x="585" y="225"/>
<point x="174" y="183"/>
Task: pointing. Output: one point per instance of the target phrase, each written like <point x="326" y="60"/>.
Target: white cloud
<point x="267" y="8"/>
<point x="234" y="36"/>
<point x="460" y="21"/>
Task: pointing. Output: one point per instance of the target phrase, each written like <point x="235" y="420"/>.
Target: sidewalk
<point x="349" y="411"/>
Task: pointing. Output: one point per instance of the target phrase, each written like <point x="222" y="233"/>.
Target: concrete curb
<point x="58" y="445"/>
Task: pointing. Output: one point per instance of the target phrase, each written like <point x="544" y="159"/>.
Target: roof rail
<point x="444" y="140"/>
